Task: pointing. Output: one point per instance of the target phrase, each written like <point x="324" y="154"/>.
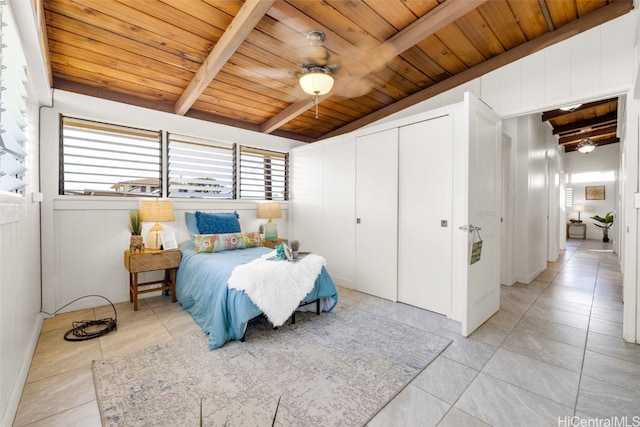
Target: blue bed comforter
<point x="223" y="313"/>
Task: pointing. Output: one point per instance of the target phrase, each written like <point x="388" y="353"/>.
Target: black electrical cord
<point x="89" y="329"/>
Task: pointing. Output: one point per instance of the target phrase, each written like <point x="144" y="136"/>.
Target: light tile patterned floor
<point x="553" y="350"/>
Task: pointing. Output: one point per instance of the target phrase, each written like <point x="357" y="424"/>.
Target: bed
<point x="223" y="311"/>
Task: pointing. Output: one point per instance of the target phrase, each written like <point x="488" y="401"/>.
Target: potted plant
<point x="604" y="223"/>
<point x="135" y="228"/>
<point x="294" y="248"/>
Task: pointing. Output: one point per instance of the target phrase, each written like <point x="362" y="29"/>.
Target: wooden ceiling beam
<point x="607" y="119"/>
<point x="593" y="19"/>
<point x="572" y="139"/>
<point x="428" y="24"/>
<point x="431" y="22"/>
<point x="557" y="114"/>
<point x="243" y="23"/>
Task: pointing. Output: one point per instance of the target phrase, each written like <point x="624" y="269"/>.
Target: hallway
<point x="552" y="352"/>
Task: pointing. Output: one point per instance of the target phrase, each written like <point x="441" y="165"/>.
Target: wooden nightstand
<point x="273" y="243"/>
<point x="148" y="260"/>
<point x="577" y="230"/>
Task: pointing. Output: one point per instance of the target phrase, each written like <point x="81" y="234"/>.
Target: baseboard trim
<point x="530" y="277"/>
<point x="16" y="391"/>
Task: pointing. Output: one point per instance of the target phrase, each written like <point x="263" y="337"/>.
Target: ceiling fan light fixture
<point x="586" y="145"/>
<point x="316" y="82"/>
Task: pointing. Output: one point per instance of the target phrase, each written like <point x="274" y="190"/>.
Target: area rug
<point x="338" y="369"/>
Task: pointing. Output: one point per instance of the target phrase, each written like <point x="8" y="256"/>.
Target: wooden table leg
<point x="130" y="287"/>
<point x="134" y="288"/>
<point x="173" y="284"/>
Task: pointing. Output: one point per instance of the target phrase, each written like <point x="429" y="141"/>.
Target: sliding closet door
<point x="376" y="266"/>
<point x="425" y="214"/>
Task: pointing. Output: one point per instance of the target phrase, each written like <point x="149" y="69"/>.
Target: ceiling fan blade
<point x="353" y="87"/>
<point x="316" y="55"/>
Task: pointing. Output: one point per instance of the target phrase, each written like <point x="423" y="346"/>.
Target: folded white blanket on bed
<point x="277" y="287"/>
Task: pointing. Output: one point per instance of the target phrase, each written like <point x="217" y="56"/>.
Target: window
<point x="109" y="160"/>
<point x="599" y="176"/>
<point x="263" y="174"/>
<point x="568" y="197"/>
<point x="201" y="168"/>
<point x="102" y="159"/>
<point x="13" y="107"/>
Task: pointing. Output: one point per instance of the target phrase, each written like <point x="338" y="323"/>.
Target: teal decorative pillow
<point x="226" y="242"/>
<point x="217" y="223"/>
<point x="192" y="223"/>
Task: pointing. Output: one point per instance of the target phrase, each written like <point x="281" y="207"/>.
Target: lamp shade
<point x="269" y="210"/>
<point x="316" y="82"/>
<point x="156" y="210"/>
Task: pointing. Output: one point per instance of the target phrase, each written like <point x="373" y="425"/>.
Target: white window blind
<point x="263" y="174"/>
<point x="200" y="168"/>
<point x="109" y="160"/>
<point x="568" y="197"/>
<point x="13" y="106"/>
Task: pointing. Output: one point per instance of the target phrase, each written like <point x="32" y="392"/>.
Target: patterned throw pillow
<point x="226" y="242"/>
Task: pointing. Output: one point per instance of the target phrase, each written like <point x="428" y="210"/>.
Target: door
<point x="424" y="214"/>
<point x="477" y="163"/>
<point x="376" y="265"/>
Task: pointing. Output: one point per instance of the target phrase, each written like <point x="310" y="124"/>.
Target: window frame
<point x="276" y="184"/>
<point x="118" y="132"/>
<point x="268" y="178"/>
<point x="217" y="150"/>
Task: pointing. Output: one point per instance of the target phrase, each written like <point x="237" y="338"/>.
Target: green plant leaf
<point x="135" y="224"/>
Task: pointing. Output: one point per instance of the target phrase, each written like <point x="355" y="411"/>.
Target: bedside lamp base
<point x="270" y="231"/>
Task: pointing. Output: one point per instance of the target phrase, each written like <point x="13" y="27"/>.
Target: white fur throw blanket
<point x="277" y="287"/>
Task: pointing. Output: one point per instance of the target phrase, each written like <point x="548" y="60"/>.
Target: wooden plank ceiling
<point x="238" y="63"/>
<point x="596" y="120"/>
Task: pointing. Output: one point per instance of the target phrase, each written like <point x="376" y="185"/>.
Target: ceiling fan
<point x="317" y="76"/>
<point x="345" y="71"/>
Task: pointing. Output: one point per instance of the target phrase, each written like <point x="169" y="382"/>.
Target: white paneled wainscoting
<point x="90" y="236"/>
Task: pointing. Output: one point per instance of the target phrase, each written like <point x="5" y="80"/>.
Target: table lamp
<point x="579" y="209"/>
<point x="155" y="210"/>
<point x="270" y="210"/>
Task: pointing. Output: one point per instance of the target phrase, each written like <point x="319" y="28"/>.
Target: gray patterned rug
<point x="339" y="368"/>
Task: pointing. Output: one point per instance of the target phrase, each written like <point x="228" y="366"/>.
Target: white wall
<point x="536" y="187"/>
<point x="602" y="159"/>
<point x="594" y="64"/>
<point x="84" y="237"/>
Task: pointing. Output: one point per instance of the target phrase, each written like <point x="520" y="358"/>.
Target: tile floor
<point x="553" y="350"/>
